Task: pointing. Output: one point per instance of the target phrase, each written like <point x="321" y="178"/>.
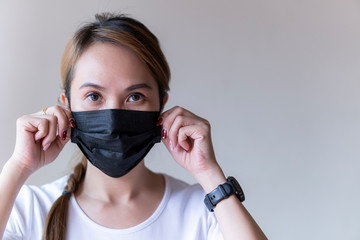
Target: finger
<point x="179" y="122"/>
<point x="169" y="117"/>
<point x="40" y="126"/>
<point x="57" y="145"/>
<point x="63" y="117"/>
<point x="184" y="137"/>
<point x="56" y="123"/>
<point x="52" y="131"/>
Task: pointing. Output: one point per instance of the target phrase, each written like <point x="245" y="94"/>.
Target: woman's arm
<point x="234" y="220"/>
<point x="188" y="139"/>
<point x="37" y="144"/>
<point x="12" y="178"/>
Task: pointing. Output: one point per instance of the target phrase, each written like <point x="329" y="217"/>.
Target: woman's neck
<point x="98" y="186"/>
<point x="120" y="202"/>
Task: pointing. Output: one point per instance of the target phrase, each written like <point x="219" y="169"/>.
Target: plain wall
<point x="278" y="80"/>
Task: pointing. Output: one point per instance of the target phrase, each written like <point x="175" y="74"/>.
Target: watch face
<point x="239" y="192"/>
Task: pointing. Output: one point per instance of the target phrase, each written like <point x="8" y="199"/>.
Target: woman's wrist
<point x="211" y="179"/>
<point x="17" y="171"/>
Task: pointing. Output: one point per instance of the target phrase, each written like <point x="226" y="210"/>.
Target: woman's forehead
<point x="111" y="64"/>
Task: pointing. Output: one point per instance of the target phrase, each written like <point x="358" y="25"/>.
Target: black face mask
<point x="115" y="140"/>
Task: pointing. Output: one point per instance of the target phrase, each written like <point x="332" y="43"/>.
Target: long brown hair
<point x="115" y="29"/>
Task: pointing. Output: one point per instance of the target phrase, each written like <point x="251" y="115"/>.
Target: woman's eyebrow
<point x="100" y="88"/>
<point x="92" y="85"/>
<point x="137" y="86"/>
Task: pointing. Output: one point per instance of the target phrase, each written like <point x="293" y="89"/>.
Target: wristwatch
<point x="224" y="191"/>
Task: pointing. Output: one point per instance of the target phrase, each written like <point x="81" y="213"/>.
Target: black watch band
<point x="224" y="191"/>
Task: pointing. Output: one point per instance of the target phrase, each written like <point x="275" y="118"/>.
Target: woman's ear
<point x="165" y="99"/>
<point x="64" y="101"/>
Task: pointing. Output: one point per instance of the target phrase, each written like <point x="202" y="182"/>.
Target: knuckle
<point x="57" y="108"/>
<point x="57" y="111"/>
<point x="20" y="120"/>
<point x="52" y="118"/>
<point x="43" y="121"/>
<point x="179" y="109"/>
<point x="180" y="119"/>
<point x="206" y="125"/>
<point x="61" y="113"/>
<point x="181" y="133"/>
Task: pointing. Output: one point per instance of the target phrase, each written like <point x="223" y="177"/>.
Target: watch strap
<point x="221" y="192"/>
<point x="231" y="186"/>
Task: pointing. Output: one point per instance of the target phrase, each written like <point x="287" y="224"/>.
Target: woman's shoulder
<point x="178" y="185"/>
<point x="39" y="197"/>
<point x="180" y="191"/>
<point x="50" y="191"/>
<point x="31" y="207"/>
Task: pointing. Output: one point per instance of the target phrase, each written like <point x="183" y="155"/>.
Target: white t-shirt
<point x="181" y="215"/>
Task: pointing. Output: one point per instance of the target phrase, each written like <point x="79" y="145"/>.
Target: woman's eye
<point x="94" y="97"/>
<point x="135" y="97"/>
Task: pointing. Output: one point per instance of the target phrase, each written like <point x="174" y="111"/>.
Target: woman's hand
<point x="40" y="138"/>
<point x="188" y="138"/>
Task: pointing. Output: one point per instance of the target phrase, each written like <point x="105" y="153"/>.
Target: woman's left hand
<point x="188" y="139"/>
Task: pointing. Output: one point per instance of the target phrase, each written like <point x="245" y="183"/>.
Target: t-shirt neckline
<point x="88" y="221"/>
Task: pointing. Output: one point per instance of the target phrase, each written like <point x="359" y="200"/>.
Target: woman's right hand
<point x="41" y="137"/>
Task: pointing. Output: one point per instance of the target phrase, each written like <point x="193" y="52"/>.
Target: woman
<point x="115" y="80"/>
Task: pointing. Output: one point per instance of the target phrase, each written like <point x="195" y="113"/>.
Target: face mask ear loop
<point x="161" y="104"/>
<point x="68" y="98"/>
<point x="161" y="97"/>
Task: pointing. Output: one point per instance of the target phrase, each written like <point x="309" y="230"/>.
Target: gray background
<point x="278" y="80"/>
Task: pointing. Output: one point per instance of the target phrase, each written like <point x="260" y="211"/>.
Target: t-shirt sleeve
<point x="214" y="232"/>
<point x="19" y="220"/>
<point x="213" y="229"/>
<point x="28" y="214"/>
<point x="30" y="209"/>
<point x="12" y="230"/>
<point x="210" y="226"/>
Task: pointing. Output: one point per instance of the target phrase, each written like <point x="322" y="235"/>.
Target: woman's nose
<point x="115" y="104"/>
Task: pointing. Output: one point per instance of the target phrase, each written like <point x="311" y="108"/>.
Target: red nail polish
<point x="159" y="122"/>
<point x="63" y="135"/>
<point x="164" y="133"/>
<point x="72" y="123"/>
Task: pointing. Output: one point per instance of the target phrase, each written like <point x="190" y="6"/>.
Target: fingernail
<point x="63" y="135"/>
<point x="164" y="133"/>
<point x="159" y="122"/>
<point x="46" y="147"/>
<point x="72" y="123"/>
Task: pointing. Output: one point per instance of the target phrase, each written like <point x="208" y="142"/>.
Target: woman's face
<point x="112" y="77"/>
